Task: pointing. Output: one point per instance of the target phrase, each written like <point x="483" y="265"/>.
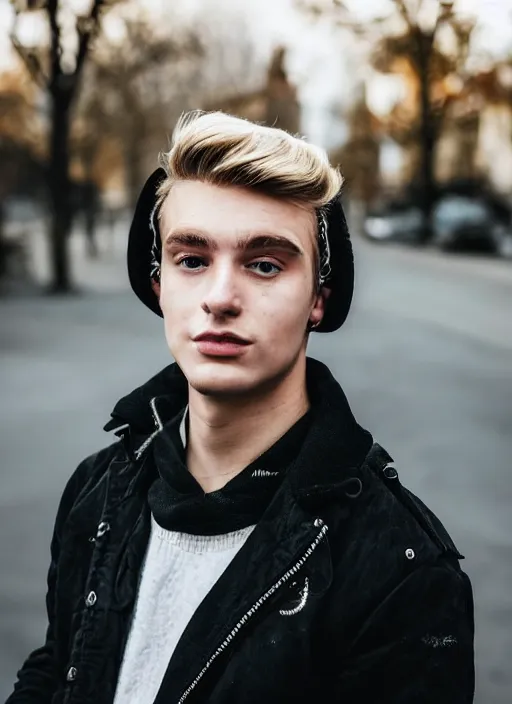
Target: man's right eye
<point x="191" y="262"/>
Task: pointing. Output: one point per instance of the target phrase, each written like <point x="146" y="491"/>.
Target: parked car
<point x="461" y="221"/>
<point x="398" y="222"/>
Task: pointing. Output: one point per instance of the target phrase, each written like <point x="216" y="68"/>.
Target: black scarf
<point x="178" y="502"/>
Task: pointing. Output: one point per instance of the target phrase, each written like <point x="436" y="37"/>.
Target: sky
<point x="321" y="61"/>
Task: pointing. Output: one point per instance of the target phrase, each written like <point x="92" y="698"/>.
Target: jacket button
<point x="103" y="528"/>
<point x="410" y="554"/>
<point x="71" y="676"/>
<point x="91" y="599"/>
<point x="318" y="522"/>
<point x="390" y="472"/>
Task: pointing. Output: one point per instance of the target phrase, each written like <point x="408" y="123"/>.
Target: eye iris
<point x="191" y="262"/>
<point x="267" y="267"/>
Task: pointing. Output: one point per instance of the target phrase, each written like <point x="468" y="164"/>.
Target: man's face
<point x="240" y="263"/>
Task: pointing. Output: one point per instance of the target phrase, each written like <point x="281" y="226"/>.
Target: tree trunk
<point x="427" y="137"/>
<point x="3" y="254"/>
<point x="133" y="166"/>
<point x="90" y="202"/>
<point x="59" y="191"/>
<point x="133" y="136"/>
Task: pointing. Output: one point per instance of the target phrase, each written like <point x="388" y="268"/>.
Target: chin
<point x="221" y="379"/>
<point x="232" y="379"/>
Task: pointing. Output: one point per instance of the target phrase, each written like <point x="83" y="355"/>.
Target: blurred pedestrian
<point x="246" y="540"/>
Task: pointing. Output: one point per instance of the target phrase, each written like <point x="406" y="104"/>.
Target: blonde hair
<point x="228" y="151"/>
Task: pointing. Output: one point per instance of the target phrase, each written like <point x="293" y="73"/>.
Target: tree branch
<point x="444" y="14"/>
<point x="31" y="62"/>
<point x="51" y="8"/>
<point x="85" y="32"/>
<point x="404" y="12"/>
<point x="439" y="20"/>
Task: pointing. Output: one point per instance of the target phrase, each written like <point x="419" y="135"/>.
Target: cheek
<point x="170" y="299"/>
<point x="285" y="309"/>
<point x="175" y="307"/>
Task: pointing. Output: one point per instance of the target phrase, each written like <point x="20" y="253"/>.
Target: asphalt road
<point x="425" y="358"/>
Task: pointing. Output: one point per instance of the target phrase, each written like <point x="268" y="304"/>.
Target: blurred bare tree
<point x="19" y="142"/>
<point x="57" y="66"/>
<point x="132" y="95"/>
<point x="430" y="41"/>
<point x="438" y="71"/>
<point x="137" y="85"/>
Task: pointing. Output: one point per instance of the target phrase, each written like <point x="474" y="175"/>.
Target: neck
<point x="227" y="434"/>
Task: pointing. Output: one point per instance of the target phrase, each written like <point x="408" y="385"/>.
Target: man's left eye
<point x="266" y="268"/>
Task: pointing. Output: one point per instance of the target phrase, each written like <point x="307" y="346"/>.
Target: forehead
<point x="225" y="212"/>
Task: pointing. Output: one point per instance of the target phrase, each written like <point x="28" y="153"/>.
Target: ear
<point x="318" y="310"/>
<point x="156" y="288"/>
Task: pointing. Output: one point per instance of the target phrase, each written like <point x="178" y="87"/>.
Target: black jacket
<point x="348" y="591"/>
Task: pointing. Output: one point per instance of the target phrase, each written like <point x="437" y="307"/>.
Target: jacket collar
<point x="166" y="392"/>
<point x="335" y="446"/>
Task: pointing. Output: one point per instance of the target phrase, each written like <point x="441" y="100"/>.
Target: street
<point x="425" y="359"/>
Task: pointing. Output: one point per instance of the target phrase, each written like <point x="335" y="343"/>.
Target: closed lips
<point x="211" y="337"/>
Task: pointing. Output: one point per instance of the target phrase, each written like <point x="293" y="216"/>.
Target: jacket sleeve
<point x="417" y="646"/>
<point x="39" y="676"/>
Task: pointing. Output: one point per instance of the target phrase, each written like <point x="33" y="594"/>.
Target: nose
<point x="222" y="298"/>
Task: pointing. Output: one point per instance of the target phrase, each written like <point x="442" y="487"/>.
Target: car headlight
<point x="378" y="228"/>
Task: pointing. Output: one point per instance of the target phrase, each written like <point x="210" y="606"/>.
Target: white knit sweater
<point x="178" y="572"/>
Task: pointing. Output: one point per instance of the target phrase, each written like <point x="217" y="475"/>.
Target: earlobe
<point x="156" y="288"/>
<point x="319" y="307"/>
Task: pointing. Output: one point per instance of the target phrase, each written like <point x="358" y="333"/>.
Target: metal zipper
<point x="290" y="573"/>
<point x="159" y="425"/>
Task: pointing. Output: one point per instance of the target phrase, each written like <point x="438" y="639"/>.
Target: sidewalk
<point x="106" y="273"/>
<point x="467" y="265"/>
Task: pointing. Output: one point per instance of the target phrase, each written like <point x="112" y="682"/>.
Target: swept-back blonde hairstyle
<point x="227" y="151"/>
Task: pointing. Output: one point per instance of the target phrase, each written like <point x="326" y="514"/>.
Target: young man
<point x="246" y="541"/>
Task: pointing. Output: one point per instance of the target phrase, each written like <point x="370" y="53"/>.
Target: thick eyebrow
<point x="247" y="243"/>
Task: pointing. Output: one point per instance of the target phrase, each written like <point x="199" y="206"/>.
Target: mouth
<point x="221" y="344"/>
<point x="221" y="337"/>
